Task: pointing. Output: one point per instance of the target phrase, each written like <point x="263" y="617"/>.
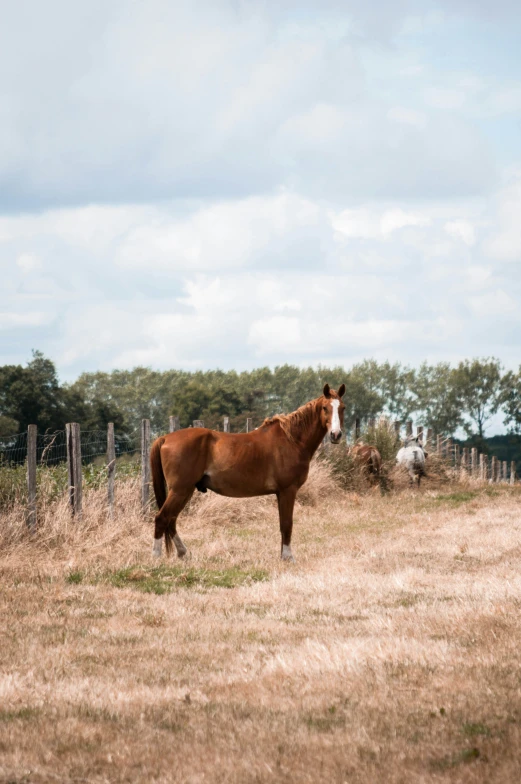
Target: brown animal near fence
<point x="369" y="459"/>
<point x="273" y="459"/>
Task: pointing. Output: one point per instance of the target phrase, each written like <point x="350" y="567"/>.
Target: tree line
<point x="440" y="395"/>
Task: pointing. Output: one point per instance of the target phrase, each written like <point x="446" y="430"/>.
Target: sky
<point x="231" y="183"/>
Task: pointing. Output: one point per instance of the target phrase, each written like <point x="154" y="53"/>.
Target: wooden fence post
<point x="397" y="428"/>
<point x="498" y="470"/>
<point x="512" y="472"/>
<point x="419" y="432"/>
<point x="249" y="424"/>
<point x="357" y="429"/>
<point x="457" y="456"/>
<point x="465" y="458"/>
<point x="449" y="451"/>
<point x="173" y="423"/>
<point x="198" y="423"/>
<point x="439" y="444"/>
<point x="430" y="434"/>
<point x="474" y="460"/>
<point x="32" y="433"/>
<point x="482" y="467"/>
<point x="408" y="428"/>
<point x="493" y="468"/>
<point x="145" y="463"/>
<point x="226" y="424"/>
<point x="72" y="430"/>
<point x="111" y="467"/>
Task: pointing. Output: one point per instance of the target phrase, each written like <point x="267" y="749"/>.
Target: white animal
<point x="412" y="458"/>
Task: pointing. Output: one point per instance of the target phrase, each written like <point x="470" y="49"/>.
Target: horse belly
<point x="240" y="475"/>
<point x="236" y="484"/>
<point x="233" y="489"/>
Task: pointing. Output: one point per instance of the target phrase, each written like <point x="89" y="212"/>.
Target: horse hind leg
<point x="165" y="524"/>
<point x="286" y="502"/>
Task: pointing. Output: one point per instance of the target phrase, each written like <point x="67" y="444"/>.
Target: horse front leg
<point x="286" y="501"/>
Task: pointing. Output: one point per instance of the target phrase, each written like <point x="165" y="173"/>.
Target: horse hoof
<point x="288" y="558"/>
<point x="181" y="553"/>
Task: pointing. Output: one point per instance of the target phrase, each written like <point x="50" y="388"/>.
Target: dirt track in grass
<point x="389" y="652"/>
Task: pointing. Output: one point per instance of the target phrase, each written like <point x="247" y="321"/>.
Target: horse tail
<point x="158" y="477"/>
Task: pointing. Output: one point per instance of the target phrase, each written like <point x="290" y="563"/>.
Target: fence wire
<point x="51" y="448"/>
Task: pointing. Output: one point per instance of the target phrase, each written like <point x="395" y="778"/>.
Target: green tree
<point x="479" y="386"/>
<point x="438" y="398"/>
<point x="362" y="398"/>
<point x="394" y="384"/>
<point x="511" y="400"/>
<point x="32" y="395"/>
<point x="8" y="426"/>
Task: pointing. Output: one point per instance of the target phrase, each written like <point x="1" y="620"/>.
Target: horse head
<point x="415" y="441"/>
<point x="332" y="412"/>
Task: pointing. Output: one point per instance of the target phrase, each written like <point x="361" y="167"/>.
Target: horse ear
<point x="341" y="390"/>
<point x="326" y="390"/>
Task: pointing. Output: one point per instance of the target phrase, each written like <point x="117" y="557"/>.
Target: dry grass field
<point x="389" y="652"/>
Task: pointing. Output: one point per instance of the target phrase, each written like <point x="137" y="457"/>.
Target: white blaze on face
<point x="335" y="419"/>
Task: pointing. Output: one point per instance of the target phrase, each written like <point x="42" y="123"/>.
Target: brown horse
<point x="369" y="459"/>
<point x="274" y="459"/>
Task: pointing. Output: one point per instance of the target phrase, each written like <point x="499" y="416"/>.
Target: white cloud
<point x="227" y="235"/>
<point x="462" y="230"/>
<point x="412" y="117"/>
<point x="504" y="242"/>
<point x="493" y="303"/>
<point x="28" y="262"/>
<point x="395" y="219"/>
<point x="275" y="335"/>
<point x="374" y="223"/>
<point x="23" y="320"/>
<point x="444" y="98"/>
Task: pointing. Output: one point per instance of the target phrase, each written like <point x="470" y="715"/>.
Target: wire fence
<point x="51" y="448"/>
<point x="32" y="463"/>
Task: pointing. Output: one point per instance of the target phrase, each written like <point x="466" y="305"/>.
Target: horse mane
<point x="295" y="424"/>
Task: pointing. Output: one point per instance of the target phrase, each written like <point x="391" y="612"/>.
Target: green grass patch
<point x="22" y="714"/>
<point x="461" y="757"/>
<point x="491" y="492"/>
<point x="407" y="600"/>
<point x="475" y="728"/>
<point x="165" y="579"/>
<point x="325" y="723"/>
<point x="455" y="499"/>
<point x="74" y="578"/>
